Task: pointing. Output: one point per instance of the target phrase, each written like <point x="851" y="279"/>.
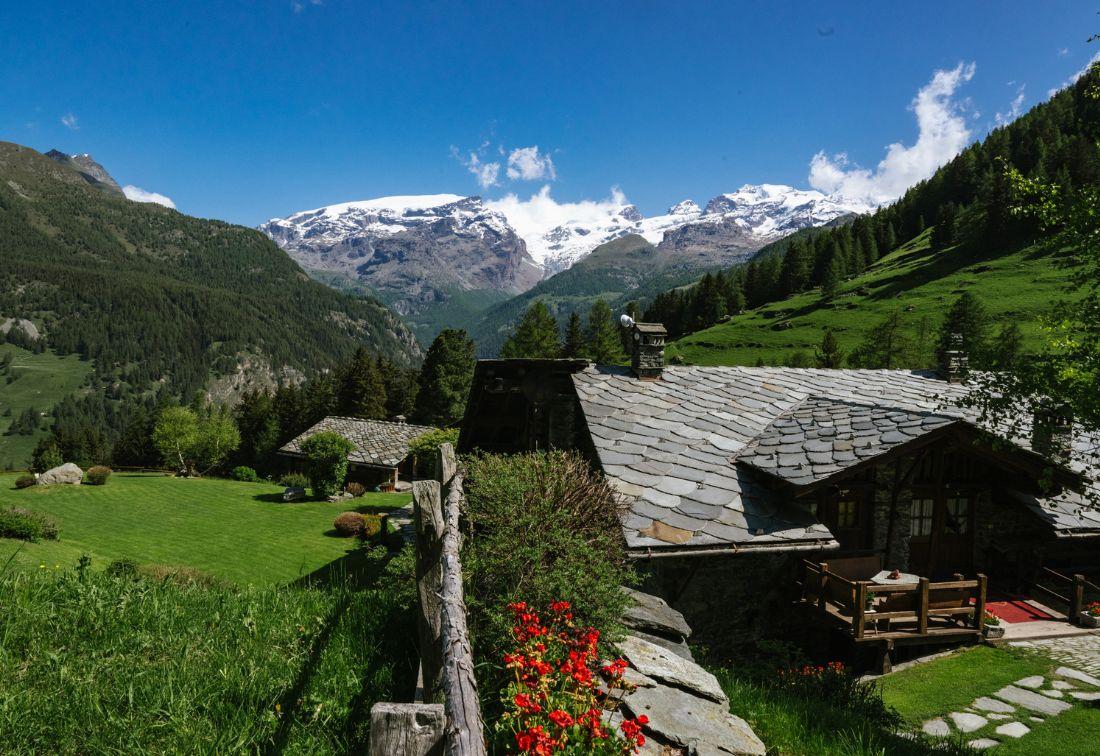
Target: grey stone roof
<point x="672" y="445"/>
<point x="821" y="437"/>
<point x="377" y="443"/>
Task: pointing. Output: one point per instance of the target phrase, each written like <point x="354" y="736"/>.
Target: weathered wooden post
<point x="860" y="609"/>
<point x="1076" y="599"/>
<point x="409" y="729"/>
<point x="822" y="588"/>
<point x="979" y="603"/>
<point x="465" y="733"/>
<point x="922" y="607"/>
<point x="428" y="510"/>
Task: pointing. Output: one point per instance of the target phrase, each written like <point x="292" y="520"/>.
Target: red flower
<point x="561" y="718"/>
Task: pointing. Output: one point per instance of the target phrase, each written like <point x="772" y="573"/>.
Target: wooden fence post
<point x="922" y="607"/>
<point x="410" y="729"/>
<point x="822" y="587"/>
<point x="979" y="604"/>
<point x="1076" y="599"/>
<point x="860" y="609"/>
<point x="428" y="510"/>
<point x="465" y="730"/>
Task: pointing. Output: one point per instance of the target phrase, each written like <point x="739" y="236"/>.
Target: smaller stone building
<point x="381" y="455"/>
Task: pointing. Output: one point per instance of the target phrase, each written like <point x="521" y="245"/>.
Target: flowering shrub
<point x="833" y="684"/>
<point x="1093" y="609"/>
<point x="991" y="620"/>
<point x="553" y="703"/>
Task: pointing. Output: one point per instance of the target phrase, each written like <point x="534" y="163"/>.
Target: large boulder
<point x="294" y="493"/>
<point x="667" y="667"/>
<point x="66" y="473"/>
<point x="695" y="724"/>
<point x="652" y="615"/>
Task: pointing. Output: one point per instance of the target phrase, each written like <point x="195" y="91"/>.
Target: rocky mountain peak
<point x="84" y="164"/>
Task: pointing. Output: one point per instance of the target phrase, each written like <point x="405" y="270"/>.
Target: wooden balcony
<point x="924" y="612"/>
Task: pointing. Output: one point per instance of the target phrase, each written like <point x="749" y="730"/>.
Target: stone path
<point x="403" y="524"/>
<point x="1081" y="651"/>
<point x="1013" y="710"/>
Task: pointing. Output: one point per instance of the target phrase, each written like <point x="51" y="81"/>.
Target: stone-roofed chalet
<point x="734" y="475"/>
<point x="381" y="451"/>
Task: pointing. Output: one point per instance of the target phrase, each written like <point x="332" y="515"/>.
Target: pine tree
<point x="573" y="345"/>
<point x="943" y="234"/>
<point x="445" y="379"/>
<point x="1007" y="347"/>
<point x="536" y="335"/>
<point x="967" y="317"/>
<point x="362" y="393"/>
<point x="401" y="388"/>
<point x="830" y="354"/>
<point x="602" y="336"/>
<point x="834" y="275"/>
<point x="885" y="346"/>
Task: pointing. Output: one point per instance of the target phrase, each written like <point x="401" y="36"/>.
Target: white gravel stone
<point x="968" y="722"/>
<point x="1036" y="681"/>
<point x="1031" y="700"/>
<point x="1062" y="685"/>
<point x="1052" y="693"/>
<point x="1081" y="695"/>
<point x="937" y="728"/>
<point x="1013" y="730"/>
<point x="982" y="743"/>
<point x="999" y="717"/>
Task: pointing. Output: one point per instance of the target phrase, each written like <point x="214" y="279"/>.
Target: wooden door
<point x="941" y="534"/>
<point x="848" y="517"/>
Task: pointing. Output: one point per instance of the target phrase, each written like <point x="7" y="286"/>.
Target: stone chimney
<point x="647" y="356"/>
<point x="954" y="364"/>
<point x="1052" y="431"/>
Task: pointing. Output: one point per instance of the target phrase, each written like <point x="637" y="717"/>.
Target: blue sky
<point x="248" y="110"/>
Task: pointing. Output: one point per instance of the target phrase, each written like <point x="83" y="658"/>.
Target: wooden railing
<point x="426" y="726"/>
<point x="1075" y="587"/>
<point x="912" y="606"/>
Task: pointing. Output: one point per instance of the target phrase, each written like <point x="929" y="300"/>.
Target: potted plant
<point x="1090" y="616"/>
<point x="869" y="601"/>
<point x="991" y="626"/>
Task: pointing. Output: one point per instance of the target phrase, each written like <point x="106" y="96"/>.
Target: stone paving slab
<point x="1081" y="652"/>
<point x="1013" y="730"/>
<point x="1074" y="674"/>
<point x="968" y="722"/>
<point x="1031" y="700"/>
<point x="982" y="743"/>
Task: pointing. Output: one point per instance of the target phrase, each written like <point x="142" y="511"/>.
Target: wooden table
<point x="883" y="578"/>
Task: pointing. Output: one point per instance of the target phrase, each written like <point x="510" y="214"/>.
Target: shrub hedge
<point x="16" y="522"/>
<point x="244" y="474"/>
<point x="294" y="480"/>
<point x="97" y="475"/>
<point x="545" y="528"/>
<point x="355" y="489"/>
<point x="348" y="524"/>
<point x="327" y="460"/>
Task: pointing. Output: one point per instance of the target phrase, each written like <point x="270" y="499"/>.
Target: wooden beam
<point x="859" y="611"/>
<point x="1077" y="599"/>
<point x="413" y="729"/>
<point x="979" y="603"/>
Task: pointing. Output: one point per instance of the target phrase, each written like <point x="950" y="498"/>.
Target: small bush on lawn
<point x="97" y="475"/>
<point x="16" y="522"/>
<point x="348" y="524"/>
<point x="372" y="525"/>
<point x="355" y="489"/>
<point x="545" y="529"/>
<point x="25" y="481"/>
<point x="123" y="568"/>
<point x="244" y="474"/>
<point x="327" y="460"/>
<point x="294" y="480"/>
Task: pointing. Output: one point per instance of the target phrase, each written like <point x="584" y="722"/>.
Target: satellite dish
<point x="626" y="321"/>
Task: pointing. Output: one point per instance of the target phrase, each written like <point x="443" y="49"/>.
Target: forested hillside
<point x="149" y="294"/>
<point x="955" y="232"/>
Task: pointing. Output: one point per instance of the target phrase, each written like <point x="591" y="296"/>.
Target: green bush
<point x="355" y="489"/>
<point x="123" y="568"/>
<point x="348" y="524"/>
<point x="244" y="474"/>
<point x="46" y="455"/>
<point x="545" y="528"/>
<point x="294" y="480"/>
<point x="327" y="462"/>
<point x="372" y="526"/>
<point x="97" y="476"/>
<point x="423" y="447"/>
<point x="25" y="481"/>
<point x="16" y="522"/>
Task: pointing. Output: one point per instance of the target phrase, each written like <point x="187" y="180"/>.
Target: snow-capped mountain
<point x="420" y="252"/>
<point x="764" y="211"/>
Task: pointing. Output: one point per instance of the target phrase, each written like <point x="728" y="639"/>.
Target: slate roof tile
<point x="377" y="442"/>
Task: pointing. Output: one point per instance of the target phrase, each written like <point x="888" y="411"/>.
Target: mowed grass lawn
<point x="952" y="683"/>
<point x="240" y="532"/>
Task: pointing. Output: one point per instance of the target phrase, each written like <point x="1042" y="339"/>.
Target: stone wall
<point x="882" y="504"/>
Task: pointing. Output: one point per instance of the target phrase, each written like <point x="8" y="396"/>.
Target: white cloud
<point x="137" y="194"/>
<point x="1073" y="79"/>
<point x="300" y="5"/>
<point x="69" y="120"/>
<point x="1014" y="109"/>
<point x="528" y="164"/>
<point x="942" y="133"/>
<point x="1063" y="52"/>
<point x="541" y="212"/>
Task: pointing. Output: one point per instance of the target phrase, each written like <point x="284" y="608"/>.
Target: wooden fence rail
<point x="1075" y="585"/>
<point x="447" y="664"/>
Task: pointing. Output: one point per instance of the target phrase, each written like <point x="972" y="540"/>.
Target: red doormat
<point x="1016" y="610"/>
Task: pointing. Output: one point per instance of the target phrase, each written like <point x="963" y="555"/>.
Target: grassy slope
<point x="1019" y="286"/>
<point x="237" y="531"/>
<point x="950" y="684"/>
<point x="41" y="381"/>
